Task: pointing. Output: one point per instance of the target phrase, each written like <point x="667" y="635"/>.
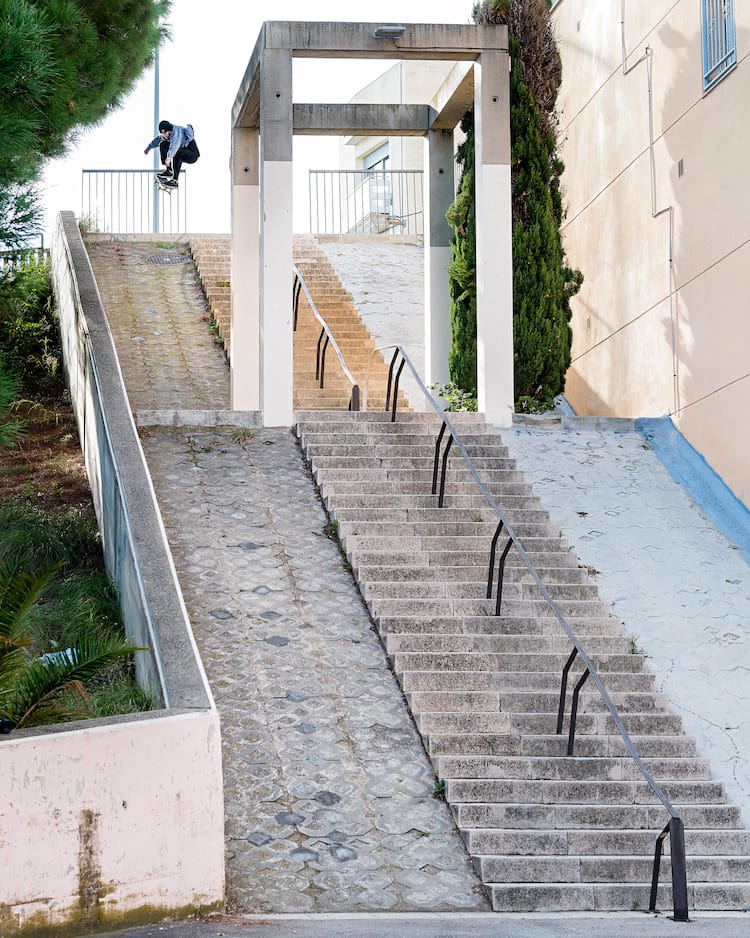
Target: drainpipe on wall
<point x="647" y="56"/>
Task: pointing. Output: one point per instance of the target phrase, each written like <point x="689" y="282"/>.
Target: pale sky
<point x="200" y="70"/>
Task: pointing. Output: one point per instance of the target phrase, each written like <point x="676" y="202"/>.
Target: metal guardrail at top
<point x="348" y="201"/>
<point x="324" y="339"/>
<point x="128" y="201"/>
<point x="674" y="827"/>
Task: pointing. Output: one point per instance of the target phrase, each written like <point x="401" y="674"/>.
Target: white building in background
<point x="655" y="139"/>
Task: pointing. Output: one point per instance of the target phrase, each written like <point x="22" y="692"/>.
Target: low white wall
<point x="120" y="820"/>
<point x="108" y="824"/>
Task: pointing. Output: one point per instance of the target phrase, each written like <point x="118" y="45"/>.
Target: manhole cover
<point x="167" y="258"/>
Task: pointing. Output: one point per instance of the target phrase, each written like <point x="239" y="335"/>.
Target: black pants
<point x="186" y="154"/>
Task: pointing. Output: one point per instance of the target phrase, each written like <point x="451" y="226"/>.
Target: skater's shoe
<point x="170" y="183"/>
<point x="164" y="175"/>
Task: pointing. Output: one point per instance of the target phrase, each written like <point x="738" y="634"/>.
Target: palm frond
<point x="19" y="590"/>
<point x="39" y="690"/>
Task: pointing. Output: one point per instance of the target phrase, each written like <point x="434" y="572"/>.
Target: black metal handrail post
<point x="675" y="826"/>
<point x="298" y="286"/>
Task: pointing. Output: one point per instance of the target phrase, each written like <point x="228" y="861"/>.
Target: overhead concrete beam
<point x="454" y="97"/>
<point x="398" y="120"/>
<point x="355" y="41"/>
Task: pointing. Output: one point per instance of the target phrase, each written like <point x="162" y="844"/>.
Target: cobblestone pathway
<point x="329" y="794"/>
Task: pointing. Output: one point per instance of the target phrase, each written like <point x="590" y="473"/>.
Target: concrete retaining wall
<point x="117" y="820"/>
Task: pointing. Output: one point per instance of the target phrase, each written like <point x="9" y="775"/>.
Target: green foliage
<point x="541" y="334"/>
<point x="64" y="65"/>
<point x="10" y="388"/>
<point x="543" y="283"/>
<point x="29" y="332"/>
<point x="462" y="357"/>
<point x="19" y="214"/>
<point x="60" y="630"/>
<point x="456" y="398"/>
<point x="36" y="539"/>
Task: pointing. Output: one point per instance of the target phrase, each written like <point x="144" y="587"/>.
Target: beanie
<point x="164" y="125"/>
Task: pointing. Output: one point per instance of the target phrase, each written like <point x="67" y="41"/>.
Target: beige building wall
<point x="404" y="83"/>
<point x="657" y="191"/>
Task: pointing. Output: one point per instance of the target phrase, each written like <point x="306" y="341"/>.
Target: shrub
<point x="29" y="332"/>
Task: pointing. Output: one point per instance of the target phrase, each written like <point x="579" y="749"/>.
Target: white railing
<point x="16" y="258"/>
<point x="383" y="202"/>
<point x="128" y="201"/>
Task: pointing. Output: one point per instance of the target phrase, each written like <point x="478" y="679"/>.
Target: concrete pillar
<point x="244" y="345"/>
<point x="438" y="233"/>
<point x="276" y="339"/>
<point x="494" y="239"/>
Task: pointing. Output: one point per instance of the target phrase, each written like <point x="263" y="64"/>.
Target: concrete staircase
<point x="546" y="831"/>
<point x="212" y="260"/>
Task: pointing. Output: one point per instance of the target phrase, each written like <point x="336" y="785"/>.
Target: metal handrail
<point x="675" y="827"/>
<point x="373" y="201"/>
<point x="324" y="339"/>
<point x="127" y="201"/>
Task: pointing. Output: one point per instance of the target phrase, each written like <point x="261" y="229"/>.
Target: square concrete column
<point x="439" y="195"/>
<point x="276" y="337"/>
<point x="244" y="344"/>
<point x="494" y="228"/>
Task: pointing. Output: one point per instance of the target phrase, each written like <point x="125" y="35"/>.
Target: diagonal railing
<point x="324" y="340"/>
<point x="674" y="828"/>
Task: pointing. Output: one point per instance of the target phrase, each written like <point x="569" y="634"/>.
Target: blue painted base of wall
<point x="688" y="468"/>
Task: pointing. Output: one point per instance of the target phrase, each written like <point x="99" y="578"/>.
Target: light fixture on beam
<point x="389" y="32"/>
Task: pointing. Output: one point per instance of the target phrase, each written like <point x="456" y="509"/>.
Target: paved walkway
<point x="328" y="791"/>
<point x="680" y="587"/>
<point x="455" y="925"/>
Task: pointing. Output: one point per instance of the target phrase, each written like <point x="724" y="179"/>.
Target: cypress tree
<point x="462" y="357"/>
<point x="542" y="282"/>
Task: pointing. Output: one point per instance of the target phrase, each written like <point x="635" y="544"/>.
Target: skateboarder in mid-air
<point x="176" y="146"/>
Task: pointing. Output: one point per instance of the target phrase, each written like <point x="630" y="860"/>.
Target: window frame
<point x="719" y="41"/>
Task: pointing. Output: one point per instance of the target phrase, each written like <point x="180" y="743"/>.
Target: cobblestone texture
<point x="328" y="791"/>
<point x="329" y="794"/>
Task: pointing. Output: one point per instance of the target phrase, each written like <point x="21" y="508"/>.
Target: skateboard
<point x="164" y="188"/>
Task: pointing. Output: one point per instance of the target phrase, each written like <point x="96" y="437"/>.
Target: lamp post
<point x="155" y="219"/>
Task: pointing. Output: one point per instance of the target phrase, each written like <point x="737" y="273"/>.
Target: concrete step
<point x="479" y="606"/>
<point x="442" y="643"/>
<point x="532" y="701"/>
<point x="484" y="689"/>
<point x="591" y="843"/>
<point x="662" y="746"/>
<point x="592" y="897"/>
<point x="612" y="768"/>
<point x="579" y="791"/>
<point x="515" y="815"/>
<point x="606" y="869"/>
<point x="475" y="588"/>
<point x="501" y="681"/>
<point x="505" y="624"/>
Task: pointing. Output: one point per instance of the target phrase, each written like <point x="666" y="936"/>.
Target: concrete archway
<point x="264" y="120"/>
